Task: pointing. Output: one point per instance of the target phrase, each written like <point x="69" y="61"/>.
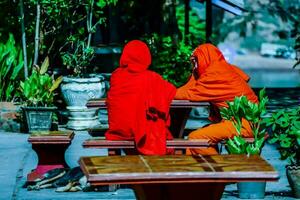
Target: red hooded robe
<point x="138" y="102"/>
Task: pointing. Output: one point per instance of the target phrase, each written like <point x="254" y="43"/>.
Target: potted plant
<point x="285" y="126"/>
<point x="79" y="88"/>
<point x="38" y="91"/>
<point x="242" y="108"/>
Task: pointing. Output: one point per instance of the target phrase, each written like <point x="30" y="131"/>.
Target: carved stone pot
<point x="76" y="93"/>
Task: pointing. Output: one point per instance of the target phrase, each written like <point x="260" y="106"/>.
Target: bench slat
<point x="122" y="144"/>
<point x="101" y="103"/>
<point x="51" y="137"/>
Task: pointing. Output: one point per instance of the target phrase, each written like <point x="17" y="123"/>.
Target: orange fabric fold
<point x="138" y="102"/>
<point x="218" y="82"/>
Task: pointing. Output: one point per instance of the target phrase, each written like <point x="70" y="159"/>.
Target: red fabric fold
<point x="138" y="102"/>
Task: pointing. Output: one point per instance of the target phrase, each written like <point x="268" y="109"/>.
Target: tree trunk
<point x="23" y="39"/>
<point x="37" y="31"/>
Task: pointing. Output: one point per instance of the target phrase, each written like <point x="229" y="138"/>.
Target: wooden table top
<point x="100" y="103"/>
<point x="49" y="137"/>
<point x="176" y="169"/>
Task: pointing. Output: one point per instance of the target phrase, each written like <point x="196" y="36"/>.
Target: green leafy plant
<point x="11" y="64"/>
<point x="242" y="108"/>
<point x="79" y="54"/>
<point x="38" y="89"/>
<point x="285" y="126"/>
<point x="169" y="59"/>
<point x="79" y="59"/>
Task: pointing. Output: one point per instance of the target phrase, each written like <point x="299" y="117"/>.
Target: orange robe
<point x="138" y="102"/>
<point x="218" y="82"/>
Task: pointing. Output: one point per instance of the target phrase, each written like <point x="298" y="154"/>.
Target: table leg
<point x="50" y="156"/>
<point x="179" y="117"/>
<point x="179" y="191"/>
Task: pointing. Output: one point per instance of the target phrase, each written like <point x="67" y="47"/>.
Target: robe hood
<point x="136" y="56"/>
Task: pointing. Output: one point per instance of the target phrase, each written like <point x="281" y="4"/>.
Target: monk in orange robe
<point x="138" y="102"/>
<point x="216" y="81"/>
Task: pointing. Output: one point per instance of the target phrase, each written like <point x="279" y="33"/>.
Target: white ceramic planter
<point x="82" y="118"/>
<point x="77" y="91"/>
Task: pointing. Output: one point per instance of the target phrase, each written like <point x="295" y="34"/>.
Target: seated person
<point x="216" y="81"/>
<point x="138" y="102"/>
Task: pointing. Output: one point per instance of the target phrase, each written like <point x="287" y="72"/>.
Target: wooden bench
<point x="114" y="146"/>
<point x="176" y="176"/>
<point x="50" y="147"/>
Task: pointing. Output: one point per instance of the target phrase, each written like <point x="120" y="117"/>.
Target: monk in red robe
<point x="216" y="81"/>
<point x="138" y="102"/>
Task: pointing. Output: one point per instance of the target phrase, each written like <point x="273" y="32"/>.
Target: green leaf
<point x="233" y="148"/>
<point x="56" y="83"/>
<point x="27" y="89"/>
<point x="44" y="66"/>
<point x="17" y="70"/>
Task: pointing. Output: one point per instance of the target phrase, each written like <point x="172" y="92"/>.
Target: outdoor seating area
<point x="25" y="159"/>
<point x="150" y="100"/>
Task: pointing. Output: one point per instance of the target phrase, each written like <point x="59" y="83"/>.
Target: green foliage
<point x="9" y="22"/>
<point x="79" y="54"/>
<point x="61" y="23"/>
<point x="242" y="108"/>
<point x="285" y="125"/>
<point x="169" y="59"/>
<point x="99" y="11"/>
<point x="38" y="89"/>
<point x="79" y="59"/>
<point x="196" y="25"/>
<point x="11" y="64"/>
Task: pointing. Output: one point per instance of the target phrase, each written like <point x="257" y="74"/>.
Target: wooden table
<point x="176" y="177"/>
<point x="180" y="110"/>
<point x="50" y="147"/>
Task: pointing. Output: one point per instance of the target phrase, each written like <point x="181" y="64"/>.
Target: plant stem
<point x="89" y="23"/>
<point x="37" y="31"/>
<point x="23" y="38"/>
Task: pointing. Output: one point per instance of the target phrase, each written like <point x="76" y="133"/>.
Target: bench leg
<point x="50" y="156"/>
<point x="179" y="191"/>
<point x="179" y="151"/>
<point x="179" y="117"/>
<point x="114" y="152"/>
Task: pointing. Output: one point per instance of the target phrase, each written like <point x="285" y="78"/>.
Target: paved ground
<point x="18" y="159"/>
